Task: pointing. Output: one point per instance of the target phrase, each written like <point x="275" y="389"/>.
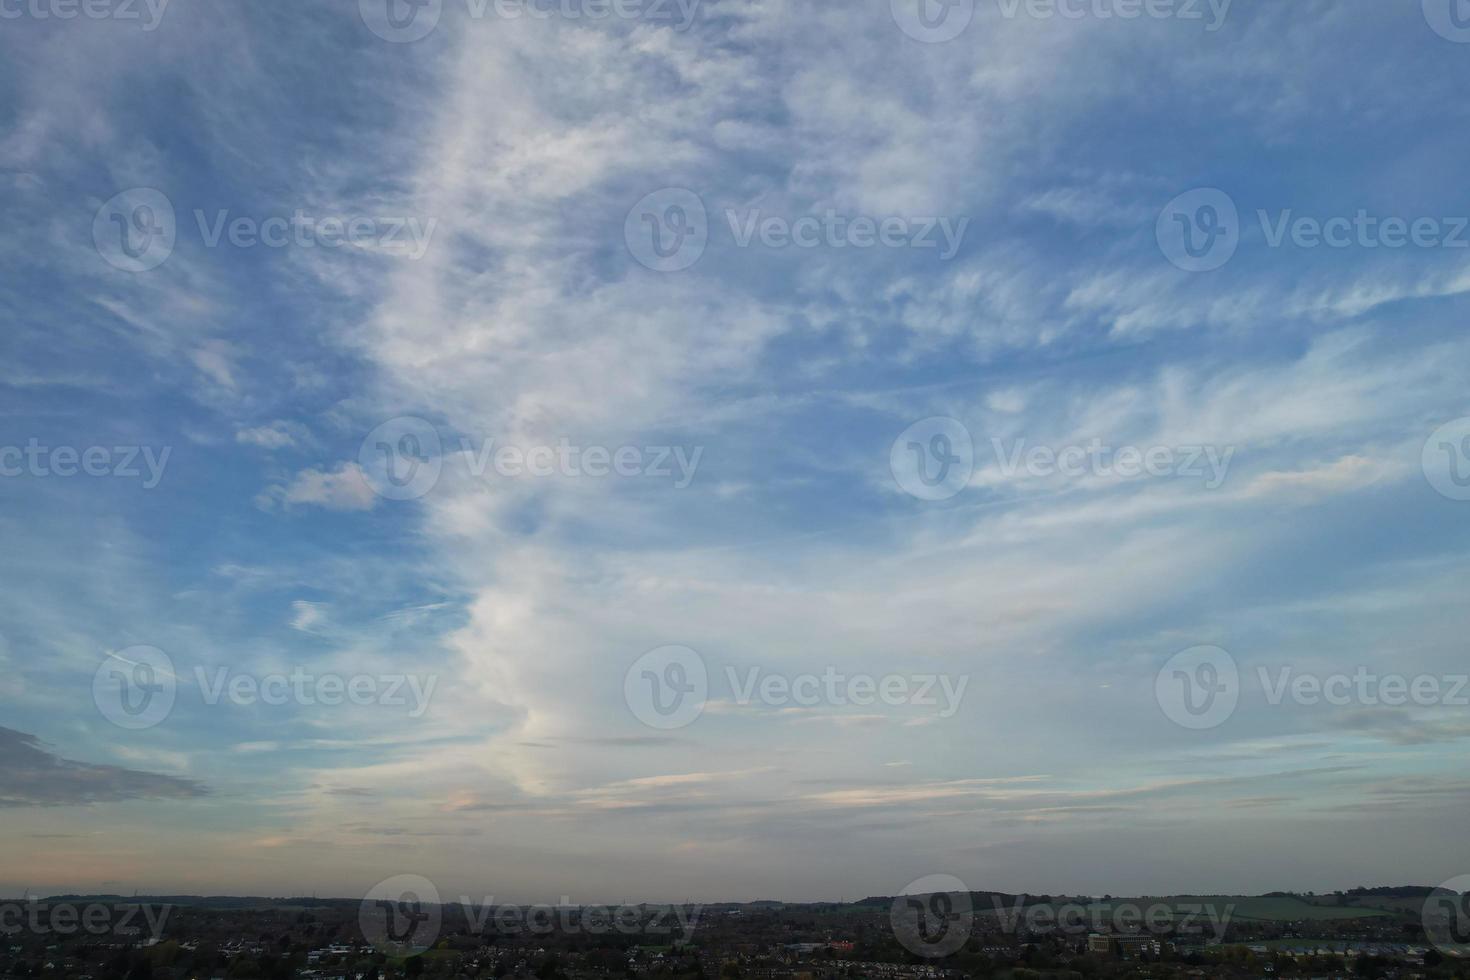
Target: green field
<point x="1381" y="903"/>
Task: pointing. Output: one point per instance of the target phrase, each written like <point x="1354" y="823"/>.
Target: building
<point x="1123" y="944"/>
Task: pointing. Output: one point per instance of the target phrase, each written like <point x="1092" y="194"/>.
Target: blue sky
<point x="497" y="292"/>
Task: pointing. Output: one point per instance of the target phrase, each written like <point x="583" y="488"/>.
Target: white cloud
<point x="279" y="434"/>
<point x="306" y="616"/>
<point x="342" y="488"/>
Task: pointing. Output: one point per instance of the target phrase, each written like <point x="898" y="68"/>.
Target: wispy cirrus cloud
<point x="527" y="320"/>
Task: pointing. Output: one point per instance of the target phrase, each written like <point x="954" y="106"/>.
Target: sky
<point x="733" y="450"/>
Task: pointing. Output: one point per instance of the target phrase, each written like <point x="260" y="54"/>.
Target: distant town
<point x="1398" y="932"/>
